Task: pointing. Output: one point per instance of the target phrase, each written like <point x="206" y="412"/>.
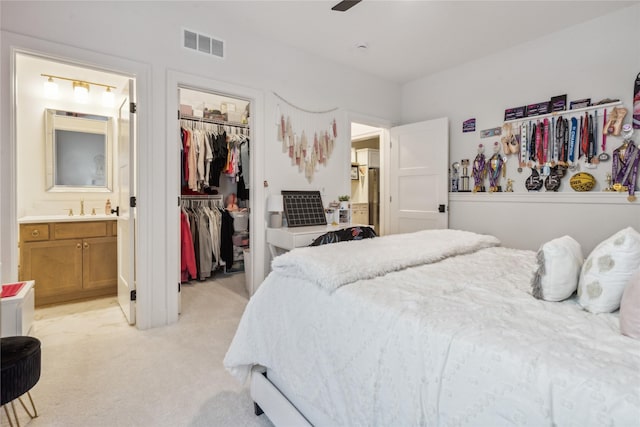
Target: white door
<point x="126" y="214"/>
<point x="418" y="177"/>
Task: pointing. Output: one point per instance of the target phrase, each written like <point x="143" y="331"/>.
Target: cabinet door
<point x="100" y="269"/>
<point x="56" y="267"/>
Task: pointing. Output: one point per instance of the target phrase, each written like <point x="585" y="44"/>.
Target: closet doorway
<point x="214" y="143"/>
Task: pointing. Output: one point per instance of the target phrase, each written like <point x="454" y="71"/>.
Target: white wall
<point x="150" y="33"/>
<point x="598" y="59"/>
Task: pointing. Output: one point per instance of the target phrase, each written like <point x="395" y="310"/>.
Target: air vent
<point x="203" y="43"/>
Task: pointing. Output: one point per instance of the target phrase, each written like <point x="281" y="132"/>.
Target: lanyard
<point x="572" y="138"/>
<point x="545" y="142"/>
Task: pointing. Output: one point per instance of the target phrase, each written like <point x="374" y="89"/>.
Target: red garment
<point x="187" y="252"/>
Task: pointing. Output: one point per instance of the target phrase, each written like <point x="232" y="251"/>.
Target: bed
<point x="434" y="328"/>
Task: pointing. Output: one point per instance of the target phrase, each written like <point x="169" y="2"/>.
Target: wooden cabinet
<point x="69" y="260"/>
<point x="369" y="157"/>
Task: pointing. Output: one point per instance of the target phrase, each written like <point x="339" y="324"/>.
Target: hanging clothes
<point x="226" y="239"/>
<point x="200" y="237"/>
<point x="187" y="255"/>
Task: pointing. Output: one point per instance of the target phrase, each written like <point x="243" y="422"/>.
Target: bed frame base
<point x="269" y="400"/>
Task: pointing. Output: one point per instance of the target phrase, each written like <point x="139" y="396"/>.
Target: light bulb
<point x="50" y="89"/>
<point x="81" y="91"/>
<point x="108" y="98"/>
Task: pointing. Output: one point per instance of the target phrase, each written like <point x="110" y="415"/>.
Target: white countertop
<point x="30" y="219"/>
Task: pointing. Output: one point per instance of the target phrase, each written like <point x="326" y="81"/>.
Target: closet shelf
<point x="566" y="112"/>
<point x="212" y="121"/>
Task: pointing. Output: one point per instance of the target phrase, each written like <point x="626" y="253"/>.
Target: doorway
<point x="77" y="219"/>
<point x="215" y="163"/>
<point x="367" y="176"/>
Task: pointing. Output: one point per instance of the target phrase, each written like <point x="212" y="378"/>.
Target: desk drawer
<point x="302" y="240"/>
<point x="34" y="232"/>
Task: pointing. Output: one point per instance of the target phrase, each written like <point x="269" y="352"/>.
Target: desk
<point x="17" y="311"/>
<point x="287" y="238"/>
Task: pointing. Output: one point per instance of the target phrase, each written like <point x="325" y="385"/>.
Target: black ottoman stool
<point x="20" y="372"/>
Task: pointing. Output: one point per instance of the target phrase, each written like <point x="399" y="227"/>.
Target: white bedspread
<point x="335" y="265"/>
<point x="460" y="342"/>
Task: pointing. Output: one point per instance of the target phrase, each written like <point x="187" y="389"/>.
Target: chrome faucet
<point x="81" y="207"/>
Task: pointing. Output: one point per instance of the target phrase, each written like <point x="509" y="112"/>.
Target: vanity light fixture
<point x="50" y="89"/>
<point x="108" y="98"/>
<point x="80" y="89"/>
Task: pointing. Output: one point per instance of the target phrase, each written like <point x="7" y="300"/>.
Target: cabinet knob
<point x="35" y="233"/>
<point x="86" y="245"/>
<point x="78" y="245"/>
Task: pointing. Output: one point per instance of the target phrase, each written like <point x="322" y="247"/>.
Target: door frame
<point x="257" y="230"/>
<point x="384" y="126"/>
<point x="12" y="44"/>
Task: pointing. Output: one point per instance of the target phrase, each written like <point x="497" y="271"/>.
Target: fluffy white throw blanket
<point x="334" y="265"/>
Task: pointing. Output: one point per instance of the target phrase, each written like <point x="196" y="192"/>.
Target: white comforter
<point x="451" y="343"/>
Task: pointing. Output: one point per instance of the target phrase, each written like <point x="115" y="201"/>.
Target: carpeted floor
<point x="99" y="371"/>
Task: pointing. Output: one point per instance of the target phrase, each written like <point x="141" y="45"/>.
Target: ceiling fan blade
<point x="345" y="5"/>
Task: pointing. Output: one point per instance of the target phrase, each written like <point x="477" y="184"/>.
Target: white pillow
<point x="607" y="270"/>
<point x="559" y="263"/>
<point x="630" y="308"/>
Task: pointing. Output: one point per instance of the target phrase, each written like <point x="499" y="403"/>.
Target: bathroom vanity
<point x="69" y="258"/>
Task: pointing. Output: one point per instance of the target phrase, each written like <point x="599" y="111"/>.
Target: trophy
<point x="465" y="175"/>
<point x="455" y="166"/>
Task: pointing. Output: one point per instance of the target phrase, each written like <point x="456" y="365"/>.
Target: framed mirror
<point x="78" y="152"/>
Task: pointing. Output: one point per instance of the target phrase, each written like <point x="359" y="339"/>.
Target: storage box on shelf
<point x="18" y="310"/>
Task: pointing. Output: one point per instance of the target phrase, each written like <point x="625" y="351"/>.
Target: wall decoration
<point x="514" y="113"/>
<point x="538" y="108"/>
<point x="490" y="132"/>
<point x="558" y="103"/>
<point x="469" y="125"/>
<point x="354" y="173"/>
<point x="580" y="103"/>
<point x="308" y="137"/>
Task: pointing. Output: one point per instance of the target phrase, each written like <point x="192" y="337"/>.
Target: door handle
<point x="441" y="208"/>
<point x="116" y="211"/>
<point x="86" y="245"/>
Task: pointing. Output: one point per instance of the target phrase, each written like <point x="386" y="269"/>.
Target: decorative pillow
<point x="630" y="308"/>
<point x="607" y="270"/>
<point x="559" y="263"/>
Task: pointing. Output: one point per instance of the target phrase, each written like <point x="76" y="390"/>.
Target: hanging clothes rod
<point x="213" y="121"/>
<point x="190" y="200"/>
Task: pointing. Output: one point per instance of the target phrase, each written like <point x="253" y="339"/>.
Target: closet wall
<point x="215" y="183"/>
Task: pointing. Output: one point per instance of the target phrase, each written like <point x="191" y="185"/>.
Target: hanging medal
<point x="572" y="142"/>
<point x="534" y="182"/>
<point x="552" y="182"/>
<point x="603" y="157"/>
<point x="591" y="142"/>
<point x="523" y="147"/>
<point x="545" y="148"/>
<point x="636" y="103"/>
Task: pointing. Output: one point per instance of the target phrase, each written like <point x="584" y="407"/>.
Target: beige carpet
<point x="99" y="371"/>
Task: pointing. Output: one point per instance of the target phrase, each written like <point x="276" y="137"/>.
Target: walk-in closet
<point x="214" y="142"/>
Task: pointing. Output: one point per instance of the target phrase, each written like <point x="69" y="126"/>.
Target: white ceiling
<point x="408" y="39"/>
